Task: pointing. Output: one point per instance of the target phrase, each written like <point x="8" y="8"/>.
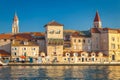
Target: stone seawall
<point x="66" y="64"/>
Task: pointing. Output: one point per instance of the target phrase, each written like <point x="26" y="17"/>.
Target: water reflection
<point x="59" y="72"/>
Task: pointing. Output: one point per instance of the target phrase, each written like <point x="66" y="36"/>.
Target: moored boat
<point x="3" y="64"/>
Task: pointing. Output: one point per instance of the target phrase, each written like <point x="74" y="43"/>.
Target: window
<point x="58" y="32"/>
<point x="113" y="39"/>
<point x="83" y="41"/>
<point x="51" y="31"/>
<point x="24" y="48"/>
<point x="113" y="46"/>
<point x="74" y="40"/>
<point x="79" y="40"/>
<point x="72" y="59"/>
<point x="11" y="40"/>
<point x="92" y="59"/>
<point x="24" y="54"/>
<point x="33" y="48"/>
<point x="86" y="59"/>
<point x="15" y="53"/>
<point x="89" y="59"/>
<point x="88" y="41"/>
<point x="68" y="54"/>
<point x="15" y="48"/>
<point x="93" y="54"/>
<point x="82" y="54"/>
<point x="75" y="54"/>
<point x="64" y="58"/>
<point x="5" y="39"/>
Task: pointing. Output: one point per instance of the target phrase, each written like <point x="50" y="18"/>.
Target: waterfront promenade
<point x="66" y="64"/>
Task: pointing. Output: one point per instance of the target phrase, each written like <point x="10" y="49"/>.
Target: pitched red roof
<point x="38" y="34"/>
<point x="97" y="17"/>
<point x="6" y="36"/>
<point x="112" y="30"/>
<point x="23" y="36"/>
<point x="53" y="23"/>
<point x="95" y="30"/>
<point x="75" y="34"/>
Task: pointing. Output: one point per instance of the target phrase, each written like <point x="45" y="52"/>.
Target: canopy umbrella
<point x="23" y="57"/>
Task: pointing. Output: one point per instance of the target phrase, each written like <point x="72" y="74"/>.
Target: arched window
<point x="65" y="59"/>
<point x="75" y="54"/>
<point x="58" y="32"/>
<point x="51" y="31"/>
<point x="82" y="54"/>
<point x="93" y="54"/>
<point x="67" y="54"/>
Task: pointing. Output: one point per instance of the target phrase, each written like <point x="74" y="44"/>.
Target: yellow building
<point x="24" y="48"/>
<point x="80" y="42"/>
<point x="59" y="45"/>
<point x="106" y="40"/>
<point x="54" y="40"/>
<point x="84" y="57"/>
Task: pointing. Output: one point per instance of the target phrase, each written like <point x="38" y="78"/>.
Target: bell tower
<point x="15" y="25"/>
<point x="97" y="21"/>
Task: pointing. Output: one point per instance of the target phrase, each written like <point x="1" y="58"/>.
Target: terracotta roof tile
<point x="23" y="36"/>
<point x="53" y="23"/>
<point x="6" y="36"/>
<point x="97" y="17"/>
<point x="23" y="43"/>
<point x="38" y="34"/>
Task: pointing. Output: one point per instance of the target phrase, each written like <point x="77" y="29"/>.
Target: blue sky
<point x="74" y="14"/>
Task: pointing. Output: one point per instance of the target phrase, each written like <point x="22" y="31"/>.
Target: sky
<point x="74" y="14"/>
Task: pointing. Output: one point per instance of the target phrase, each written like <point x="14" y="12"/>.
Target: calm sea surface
<point x="59" y="72"/>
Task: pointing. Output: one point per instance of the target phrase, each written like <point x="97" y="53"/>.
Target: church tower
<point x="15" y="25"/>
<point x="97" y="21"/>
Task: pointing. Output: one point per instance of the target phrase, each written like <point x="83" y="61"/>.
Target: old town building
<point x="98" y="44"/>
<point x="26" y="49"/>
<point x="54" y="40"/>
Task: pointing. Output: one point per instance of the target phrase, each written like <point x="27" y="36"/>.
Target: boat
<point x="3" y="63"/>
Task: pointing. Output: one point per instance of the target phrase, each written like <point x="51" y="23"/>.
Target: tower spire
<point x="15" y="17"/>
<point x="15" y="24"/>
<point x="97" y="21"/>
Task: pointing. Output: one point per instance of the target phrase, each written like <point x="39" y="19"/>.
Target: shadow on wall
<point x="6" y="47"/>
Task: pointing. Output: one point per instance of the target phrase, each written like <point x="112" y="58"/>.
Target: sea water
<point x="59" y="72"/>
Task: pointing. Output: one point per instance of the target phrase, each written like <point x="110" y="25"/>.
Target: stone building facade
<point x="24" y="49"/>
<point x="95" y="45"/>
<point x="54" y="40"/>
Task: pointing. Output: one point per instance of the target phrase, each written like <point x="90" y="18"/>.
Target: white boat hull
<point x="3" y="64"/>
